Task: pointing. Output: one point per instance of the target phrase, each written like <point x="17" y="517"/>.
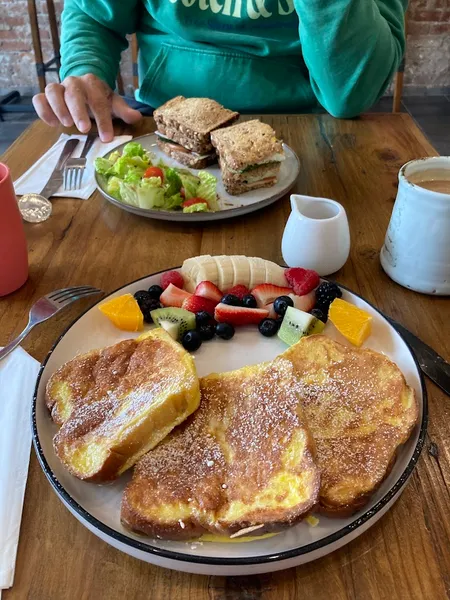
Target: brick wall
<point x="427" y="60"/>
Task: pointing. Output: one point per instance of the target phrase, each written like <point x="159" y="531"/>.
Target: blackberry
<point x="147" y="305"/>
<point x="325" y="294"/>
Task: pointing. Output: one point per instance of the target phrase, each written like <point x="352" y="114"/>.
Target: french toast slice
<point x="243" y="462"/>
<point x="117" y="403"/>
<point x="359" y="410"/>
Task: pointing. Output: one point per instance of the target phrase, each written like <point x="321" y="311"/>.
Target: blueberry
<point x="191" y="340"/>
<point x="316" y="312"/>
<point x="203" y="318"/>
<point x="224" y="331"/>
<point x="268" y="327"/>
<point x="281" y="304"/>
<point x="155" y="291"/>
<point x="147" y="305"/>
<point x="326" y="293"/>
<point x="231" y="300"/>
<point x="141" y="295"/>
<point x="249" y="301"/>
<point x="206" y="332"/>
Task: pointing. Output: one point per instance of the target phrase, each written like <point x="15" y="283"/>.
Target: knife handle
<point x="68" y="148"/>
<point x="88" y="144"/>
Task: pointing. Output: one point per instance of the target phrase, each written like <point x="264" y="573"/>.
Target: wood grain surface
<point x="406" y="555"/>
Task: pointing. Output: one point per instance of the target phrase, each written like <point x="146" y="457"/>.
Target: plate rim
<point x="168" y="215"/>
<point x="206" y="560"/>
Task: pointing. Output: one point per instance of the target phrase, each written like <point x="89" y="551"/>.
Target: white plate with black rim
<point x="97" y="507"/>
<point x="230" y="206"/>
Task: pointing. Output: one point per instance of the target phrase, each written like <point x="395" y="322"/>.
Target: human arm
<point x="93" y="37"/>
<point x="352" y="49"/>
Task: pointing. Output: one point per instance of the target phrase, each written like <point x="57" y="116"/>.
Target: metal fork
<point x="47" y="306"/>
<point x="75" y="167"/>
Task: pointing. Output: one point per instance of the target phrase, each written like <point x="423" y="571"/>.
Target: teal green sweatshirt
<point x="264" y="56"/>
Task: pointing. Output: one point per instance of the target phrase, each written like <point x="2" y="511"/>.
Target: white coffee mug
<point x="416" y="251"/>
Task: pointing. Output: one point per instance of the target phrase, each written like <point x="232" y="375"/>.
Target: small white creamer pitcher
<point x="316" y="235"/>
<point x="416" y="251"/>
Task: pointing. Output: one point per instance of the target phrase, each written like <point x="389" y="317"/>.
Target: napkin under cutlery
<point x="18" y="374"/>
<point x="36" y="177"/>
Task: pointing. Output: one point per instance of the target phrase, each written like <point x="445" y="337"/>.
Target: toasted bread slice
<point x="190" y="121"/>
<point x="118" y="403"/>
<point x="247" y="144"/>
<point x="244" y="460"/>
<point x="189" y="159"/>
<point x="359" y="410"/>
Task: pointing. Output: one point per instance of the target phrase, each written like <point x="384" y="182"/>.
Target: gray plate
<point x="231" y="206"/>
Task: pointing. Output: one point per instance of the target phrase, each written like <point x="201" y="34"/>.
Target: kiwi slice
<point x="296" y="324"/>
<point x="176" y="321"/>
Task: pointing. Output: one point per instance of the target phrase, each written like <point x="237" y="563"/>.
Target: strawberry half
<point x="238" y="315"/>
<point x="206" y="289"/>
<point x="239" y="290"/>
<point x="266" y="293"/>
<point x="305" y="302"/>
<point x="197" y="303"/>
<point x="301" y="280"/>
<point x="171" y="277"/>
<point x="173" y="296"/>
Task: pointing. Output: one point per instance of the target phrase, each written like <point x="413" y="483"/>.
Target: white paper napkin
<point x="18" y="374"/>
<point x="37" y="176"/>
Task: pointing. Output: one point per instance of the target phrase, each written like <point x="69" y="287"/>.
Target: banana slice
<point x="241" y="270"/>
<point x="257" y="271"/>
<point x="208" y="271"/>
<point x="225" y="272"/>
<point x="190" y="269"/>
<point x="275" y="274"/>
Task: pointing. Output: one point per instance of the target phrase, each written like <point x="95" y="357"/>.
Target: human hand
<point x="72" y="101"/>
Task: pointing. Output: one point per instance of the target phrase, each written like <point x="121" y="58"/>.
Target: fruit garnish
<point x="249" y="301"/>
<point x="173" y="296"/>
<point x="172" y="277"/>
<point x="191" y="340"/>
<point x="272" y="313"/>
<point x="301" y="280"/>
<point x="281" y="304"/>
<point x="240" y="291"/>
<point x="225" y="331"/>
<point x="266" y="293"/>
<point x="231" y="299"/>
<point x="326" y="293"/>
<point x="206" y="332"/>
<point x="203" y="318"/>
<point x="268" y="327"/>
<point x="155" y="291"/>
<point x="154" y="172"/>
<point x="297" y="324"/>
<point x="239" y="315"/>
<point x="124" y="312"/>
<point x="354" y="323"/>
<point x="208" y="290"/>
<point x="175" y="321"/>
<point x="306" y="302"/>
<point x="193" y="201"/>
<point x="197" y="304"/>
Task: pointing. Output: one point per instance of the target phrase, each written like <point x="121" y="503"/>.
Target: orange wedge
<point x="124" y="312"/>
<point x="354" y="323"/>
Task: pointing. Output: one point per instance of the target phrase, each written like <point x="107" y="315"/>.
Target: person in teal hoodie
<point x="254" y="56"/>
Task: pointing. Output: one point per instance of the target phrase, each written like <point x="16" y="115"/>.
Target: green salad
<point x="135" y="179"/>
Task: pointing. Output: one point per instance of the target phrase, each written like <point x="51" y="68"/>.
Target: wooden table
<point x="407" y="553"/>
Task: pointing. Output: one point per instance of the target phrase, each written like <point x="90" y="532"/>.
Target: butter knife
<point x="433" y="365"/>
<point x="56" y="178"/>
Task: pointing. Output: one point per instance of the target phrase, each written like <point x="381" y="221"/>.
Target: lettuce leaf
<point x="208" y="189"/>
<point x="128" y="193"/>
<point x="133" y="149"/>
<point x="103" y="166"/>
<point x="172" y="182"/>
<point x="190" y="184"/>
<point x="113" y="187"/>
<point x="198" y="207"/>
<point x="173" y="202"/>
<point x="150" y="193"/>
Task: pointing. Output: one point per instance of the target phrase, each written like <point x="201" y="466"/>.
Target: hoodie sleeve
<point x="93" y="35"/>
<point x="352" y="48"/>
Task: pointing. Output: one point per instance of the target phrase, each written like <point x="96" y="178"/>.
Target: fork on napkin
<point x="35" y="178"/>
<point x="18" y="374"/>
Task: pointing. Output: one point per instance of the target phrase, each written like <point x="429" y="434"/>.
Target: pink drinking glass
<point x="13" y="244"/>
